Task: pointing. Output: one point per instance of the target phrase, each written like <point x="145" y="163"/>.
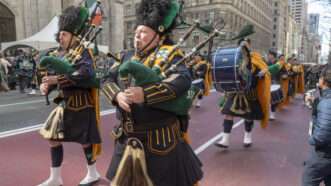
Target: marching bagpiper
<point x="149" y="142"/>
<point x="77" y="115"/>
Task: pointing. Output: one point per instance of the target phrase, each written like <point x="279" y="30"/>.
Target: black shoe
<point x="247" y="145"/>
<point x="221" y="146"/>
<point x="90" y="184"/>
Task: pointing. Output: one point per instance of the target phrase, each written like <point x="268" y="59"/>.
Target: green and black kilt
<point x="255" y="110"/>
<point x="80" y="126"/>
<point x="171" y="162"/>
<point x="79" y="117"/>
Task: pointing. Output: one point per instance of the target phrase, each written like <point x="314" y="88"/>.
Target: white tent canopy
<point x="43" y="39"/>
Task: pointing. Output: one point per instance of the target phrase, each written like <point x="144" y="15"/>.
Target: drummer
<point x="200" y="71"/>
<point x="274" y="68"/>
<point x="252" y="104"/>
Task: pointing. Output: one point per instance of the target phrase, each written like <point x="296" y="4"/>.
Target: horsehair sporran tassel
<point x="53" y="127"/>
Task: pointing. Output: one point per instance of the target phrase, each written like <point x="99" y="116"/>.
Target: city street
<point x="275" y="159"/>
<point x="22" y="110"/>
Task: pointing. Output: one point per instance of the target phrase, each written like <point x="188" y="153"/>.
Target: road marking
<point x="204" y="146"/>
<point x="23" y="103"/>
<point x="38" y="126"/>
<point x="35" y="127"/>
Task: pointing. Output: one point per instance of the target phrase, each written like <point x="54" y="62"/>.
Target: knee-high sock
<point x="249" y="125"/>
<point x="227" y="124"/>
<point x="273" y="107"/>
<point x="57" y="156"/>
<point x="89" y="155"/>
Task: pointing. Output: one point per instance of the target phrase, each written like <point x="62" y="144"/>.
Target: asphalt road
<point x="275" y="159"/>
<point x="22" y="110"/>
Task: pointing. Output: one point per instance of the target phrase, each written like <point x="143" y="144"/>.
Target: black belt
<point x="129" y="127"/>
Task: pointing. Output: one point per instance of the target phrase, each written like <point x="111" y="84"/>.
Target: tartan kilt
<point x="255" y="110"/>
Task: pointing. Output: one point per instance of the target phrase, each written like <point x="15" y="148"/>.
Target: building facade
<point x="299" y="8"/>
<point x="313" y="22"/>
<point x="280" y="25"/>
<point x="20" y="19"/>
<point x="292" y="38"/>
<point x="235" y="13"/>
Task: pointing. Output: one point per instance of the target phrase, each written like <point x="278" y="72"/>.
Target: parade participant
<point x="292" y="75"/>
<point x="4" y="65"/>
<point x="299" y="83"/>
<point x="164" y="158"/>
<point x="284" y="81"/>
<point x="78" y="104"/>
<point x="201" y="73"/>
<point x="317" y="167"/>
<point x="257" y="99"/>
<point x="34" y="81"/>
<point x="274" y="68"/>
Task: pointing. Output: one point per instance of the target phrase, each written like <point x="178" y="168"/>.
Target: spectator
<point x="4" y="64"/>
<point x="318" y="167"/>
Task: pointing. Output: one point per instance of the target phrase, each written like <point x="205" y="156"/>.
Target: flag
<point x="95" y="11"/>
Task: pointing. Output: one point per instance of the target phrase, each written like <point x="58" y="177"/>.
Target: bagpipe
<point x="144" y="75"/>
<point x="54" y="64"/>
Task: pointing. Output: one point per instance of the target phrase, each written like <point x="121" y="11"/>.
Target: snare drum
<point x="276" y="94"/>
<point x="229" y="71"/>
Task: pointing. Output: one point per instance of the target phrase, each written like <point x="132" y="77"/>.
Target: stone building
<point x="235" y="13"/>
<point x="20" y="19"/>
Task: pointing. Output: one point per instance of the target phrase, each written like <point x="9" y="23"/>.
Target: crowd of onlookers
<point x="19" y="70"/>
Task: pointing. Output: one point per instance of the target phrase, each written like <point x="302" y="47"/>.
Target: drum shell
<point x="276" y="94"/>
<point x="225" y="70"/>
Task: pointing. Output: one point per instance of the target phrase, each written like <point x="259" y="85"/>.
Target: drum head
<point x="197" y="81"/>
<point x="274" y="87"/>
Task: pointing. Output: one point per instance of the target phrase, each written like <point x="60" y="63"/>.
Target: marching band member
<point x="274" y="68"/>
<point x="284" y="81"/>
<point x="163" y="157"/>
<point x="299" y="82"/>
<point x="253" y="104"/>
<point x="201" y="73"/>
<point x="78" y="105"/>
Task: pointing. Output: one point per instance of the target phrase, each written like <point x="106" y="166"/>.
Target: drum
<point x="198" y="83"/>
<point x="276" y="94"/>
<point x="229" y="70"/>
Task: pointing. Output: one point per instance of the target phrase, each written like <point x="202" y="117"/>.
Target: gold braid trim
<point x="95" y="95"/>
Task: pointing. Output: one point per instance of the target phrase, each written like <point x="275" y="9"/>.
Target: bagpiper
<point x="77" y="115"/>
<point x="149" y="141"/>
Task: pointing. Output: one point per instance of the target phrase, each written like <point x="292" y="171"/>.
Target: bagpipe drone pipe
<point x="55" y="65"/>
<point x="143" y="75"/>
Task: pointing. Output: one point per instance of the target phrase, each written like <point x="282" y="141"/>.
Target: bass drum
<point x="276" y="94"/>
<point x="229" y="70"/>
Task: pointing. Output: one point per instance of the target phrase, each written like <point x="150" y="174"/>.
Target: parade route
<point x="275" y="159"/>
